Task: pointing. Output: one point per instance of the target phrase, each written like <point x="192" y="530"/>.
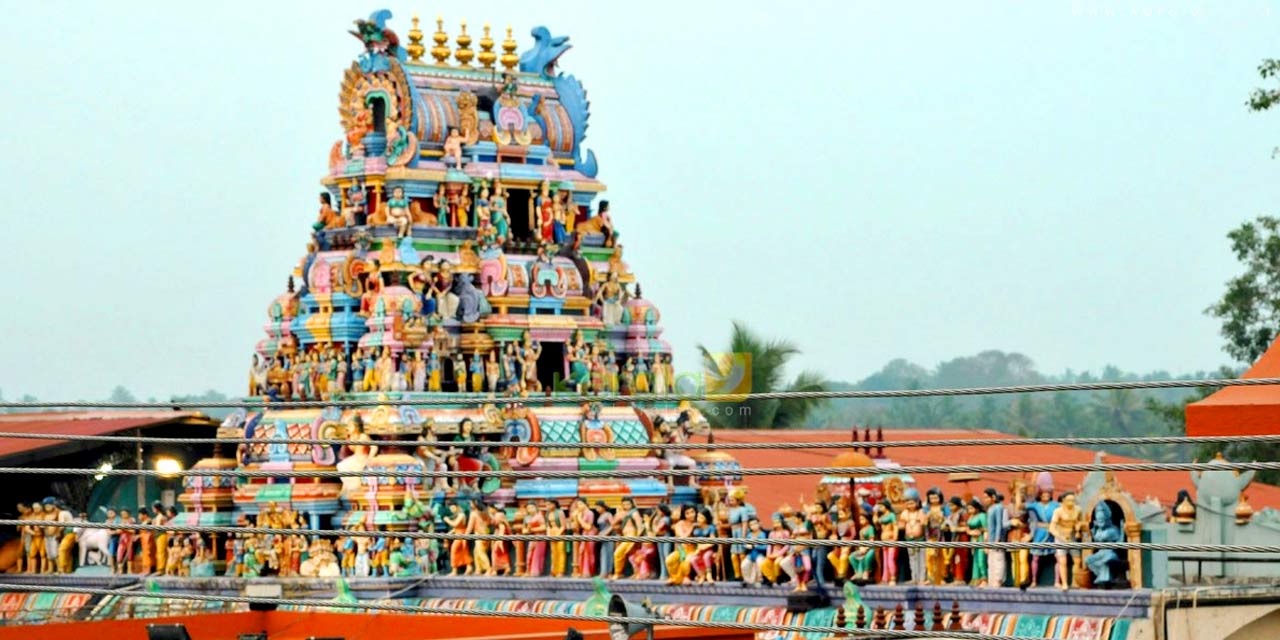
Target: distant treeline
<point x="1056" y="414"/>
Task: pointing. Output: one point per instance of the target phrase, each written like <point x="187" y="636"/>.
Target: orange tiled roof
<point x="1241" y="410"/>
<point x="95" y="423"/>
<point x="767" y="493"/>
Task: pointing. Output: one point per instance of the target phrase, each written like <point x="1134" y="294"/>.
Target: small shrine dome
<point x="640" y="311"/>
<point x="853" y="460"/>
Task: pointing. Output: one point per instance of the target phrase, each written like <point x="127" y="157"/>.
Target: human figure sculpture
<point x="1019" y="559"/>
<point x="796" y="561"/>
<point x="529" y="354"/>
<point x="441" y="202"/>
<point x="645" y="554"/>
<point x="753" y="553"/>
<point x="678" y="561"/>
<point x="459" y="553"/>
<point x="498" y="213"/>
<point x="888" y="522"/>
<point x="557" y="524"/>
<point x="611" y="296"/>
<point x="1039" y="518"/>
<point x="446" y="299"/>
<point x="535" y="523"/>
<point x="628" y="521"/>
<point x="914" y="521"/>
<point x="1102" y="529"/>
<point x="353" y="213"/>
<point x="328" y="218"/>
<point x="845" y="529"/>
<point x="478" y="524"/>
<point x="480" y="213"/>
<point x="584" y="519"/>
<point x="1065" y="525"/>
<point x="997" y="530"/>
<point x="936" y="560"/>
<point x="976" y="524"/>
<point x="492" y="371"/>
<point x="593" y="430"/>
<point x="453" y="147"/>
<point x="398" y="213"/>
<point x="475" y="368"/>
<point x="771" y="563"/>
<point x="545" y="209"/>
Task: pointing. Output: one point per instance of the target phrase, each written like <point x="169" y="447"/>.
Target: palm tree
<point x="1118" y="409"/>
<point x="764" y="361"/>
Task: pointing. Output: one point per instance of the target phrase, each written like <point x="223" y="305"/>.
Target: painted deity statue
<point x="498" y="213"/>
<point x="796" y="561"/>
<point x="441" y="203"/>
<point x="492" y="371"/>
<point x="442" y="289"/>
<point x="459" y="369"/>
<point x="545" y="207"/>
<point x="593" y="430"/>
<point x="611" y="296"/>
<point x="328" y="218"/>
<point x="1019" y="559"/>
<point x="771" y="563"/>
<point x="453" y="147"/>
<point x="480" y="212"/>
<point x="1039" y="518"/>
<point x="914" y="522"/>
<point x="1103" y="529"/>
<point x="530" y="351"/>
<point x="398" y="213"/>
<point x="679" y="560"/>
<point x="1065" y="525"/>
<point x="579" y="365"/>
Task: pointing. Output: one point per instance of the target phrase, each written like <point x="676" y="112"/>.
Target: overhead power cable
<point x="661" y="446"/>
<point x="650" y="473"/>
<point x="476" y="400"/>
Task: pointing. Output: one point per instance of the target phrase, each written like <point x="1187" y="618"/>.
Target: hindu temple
<point x="465" y="280"/>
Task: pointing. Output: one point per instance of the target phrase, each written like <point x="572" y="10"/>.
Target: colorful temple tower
<point x="461" y="250"/>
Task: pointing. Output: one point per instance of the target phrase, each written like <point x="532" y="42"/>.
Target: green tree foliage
<point x="768" y="360"/>
<point x="1262" y="99"/>
<point x="1098" y="413"/>
<point x="1250" y="308"/>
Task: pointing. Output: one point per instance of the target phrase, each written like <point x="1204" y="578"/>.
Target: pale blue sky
<point x="870" y="180"/>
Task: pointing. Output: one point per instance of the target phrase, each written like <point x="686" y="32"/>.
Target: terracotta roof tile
<point x="767" y="493"/>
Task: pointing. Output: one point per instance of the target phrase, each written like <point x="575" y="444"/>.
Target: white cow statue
<point x="96" y="540"/>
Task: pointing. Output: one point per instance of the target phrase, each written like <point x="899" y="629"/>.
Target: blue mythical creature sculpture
<point x="379" y="42"/>
<point x="1103" y="530"/>
<point x="541" y="59"/>
<point x="472" y="304"/>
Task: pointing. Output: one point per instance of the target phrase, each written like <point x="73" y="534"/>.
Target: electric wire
<point x="658" y="446"/>
<point x="473" y="400"/>
<point x="649" y="473"/>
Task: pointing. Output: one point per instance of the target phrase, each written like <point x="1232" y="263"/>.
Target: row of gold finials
<point x="464" y="54"/>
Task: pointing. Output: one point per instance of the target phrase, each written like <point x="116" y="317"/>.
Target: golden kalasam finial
<point x="415" y="47"/>
<point x="441" y="51"/>
<point x="487" y="56"/>
<point x="464" y="54"/>
<point x="509" y="57"/>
